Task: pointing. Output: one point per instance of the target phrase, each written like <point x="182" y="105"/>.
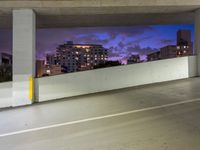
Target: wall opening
<point x="67" y="50"/>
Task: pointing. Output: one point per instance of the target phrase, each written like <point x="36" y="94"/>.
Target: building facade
<point x="183" y="47"/>
<point x="184" y="43"/>
<point x="79" y="57"/>
<point x="50" y="59"/>
<point x="43" y="69"/>
<point x="40" y="68"/>
<point x="133" y="59"/>
<point x="153" y="56"/>
<point x="183" y="37"/>
<point x="52" y="70"/>
<point x="169" y="51"/>
<point x="5" y="59"/>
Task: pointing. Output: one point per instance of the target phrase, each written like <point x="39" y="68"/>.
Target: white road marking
<point x="98" y="118"/>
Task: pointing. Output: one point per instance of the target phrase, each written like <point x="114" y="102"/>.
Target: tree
<point x="108" y="64"/>
<point x="5" y="73"/>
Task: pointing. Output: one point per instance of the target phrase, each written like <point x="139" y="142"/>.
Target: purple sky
<point x="121" y="41"/>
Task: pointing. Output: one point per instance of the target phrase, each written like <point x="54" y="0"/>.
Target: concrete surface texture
<point x="23" y="55"/>
<point x="197" y="38"/>
<point x="60" y="13"/>
<point x="86" y="82"/>
<point x="67" y="85"/>
<point x="6" y="94"/>
<point x="173" y="127"/>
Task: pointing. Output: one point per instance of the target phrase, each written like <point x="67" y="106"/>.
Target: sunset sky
<point x="121" y="41"/>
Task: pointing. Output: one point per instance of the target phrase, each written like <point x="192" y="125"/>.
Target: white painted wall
<point x="73" y="84"/>
<point x="23" y="54"/>
<point x="192" y="66"/>
<point x="197" y="38"/>
<point x="5" y="94"/>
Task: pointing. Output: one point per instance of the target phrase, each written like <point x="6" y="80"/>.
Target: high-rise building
<point x="153" y="56"/>
<point x="40" y="68"/>
<point x="43" y="69"/>
<point x="184" y="43"/>
<point x="51" y="70"/>
<point x="50" y="59"/>
<point x="5" y="58"/>
<point x="184" y="37"/>
<point x="169" y="51"/>
<point x="78" y="57"/>
<point x="184" y="46"/>
<point x="133" y="59"/>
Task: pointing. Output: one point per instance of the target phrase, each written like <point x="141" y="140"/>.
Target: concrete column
<point x="197" y="39"/>
<point x="23" y="56"/>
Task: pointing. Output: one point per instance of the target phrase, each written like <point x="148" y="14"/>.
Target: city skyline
<point x="120" y="41"/>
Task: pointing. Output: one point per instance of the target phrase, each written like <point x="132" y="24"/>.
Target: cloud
<point x="92" y="38"/>
<point x="121" y="45"/>
<point x="127" y="31"/>
<point x="5" y="40"/>
<point x="48" y="39"/>
<point x="138" y="40"/>
<point x="137" y="49"/>
<point x="166" y="41"/>
<point x="141" y="51"/>
<point x="114" y="51"/>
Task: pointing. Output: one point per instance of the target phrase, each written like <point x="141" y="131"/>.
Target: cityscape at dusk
<point x="115" y="46"/>
<point x="121" y="41"/>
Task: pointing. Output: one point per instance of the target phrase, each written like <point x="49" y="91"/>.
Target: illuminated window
<point x="48" y="72"/>
<point x="87" y="50"/>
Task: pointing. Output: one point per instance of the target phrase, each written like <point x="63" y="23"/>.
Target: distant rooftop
<point x="77" y="45"/>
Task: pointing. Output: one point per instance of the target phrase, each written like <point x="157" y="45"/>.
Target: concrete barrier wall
<point x="73" y="84"/>
<point x="5" y="94"/>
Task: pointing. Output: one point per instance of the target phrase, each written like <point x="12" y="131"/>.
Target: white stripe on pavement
<point x="98" y="118"/>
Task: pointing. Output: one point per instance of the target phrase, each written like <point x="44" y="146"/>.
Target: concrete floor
<point x="172" y="127"/>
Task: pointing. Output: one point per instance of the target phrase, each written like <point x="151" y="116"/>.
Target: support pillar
<point x="24" y="28"/>
<point x="197" y="39"/>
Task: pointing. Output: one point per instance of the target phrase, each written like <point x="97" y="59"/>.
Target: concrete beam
<point x="23" y="55"/>
<point x="113" y="20"/>
<point x="74" y="13"/>
<point x="94" y="3"/>
<point x="63" y="21"/>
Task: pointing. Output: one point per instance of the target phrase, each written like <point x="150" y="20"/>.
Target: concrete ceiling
<point x="73" y="13"/>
